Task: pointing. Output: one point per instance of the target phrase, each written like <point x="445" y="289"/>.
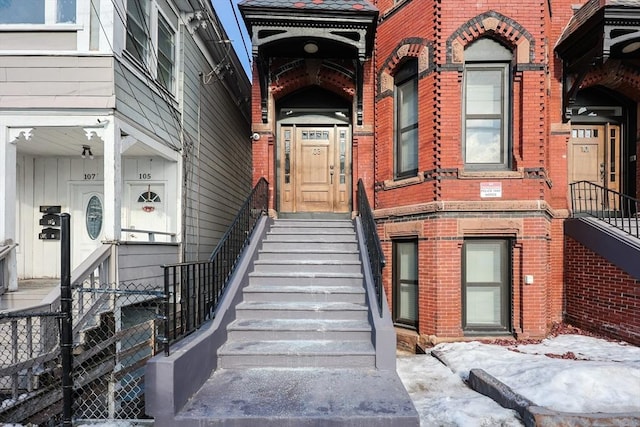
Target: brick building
<point x="467" y="122"/>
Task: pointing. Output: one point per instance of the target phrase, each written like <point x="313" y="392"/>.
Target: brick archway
<point x="338" y="78"/>
<point x="408" y="48"/>
<point x="616" y="76"/>
<point x="497" y="25"/>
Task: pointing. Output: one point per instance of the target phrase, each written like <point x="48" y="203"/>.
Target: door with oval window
<point x="87" y="221"/>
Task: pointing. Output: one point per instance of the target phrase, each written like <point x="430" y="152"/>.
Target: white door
<point x="87" y="221"/>
<point x="146" y="211"/>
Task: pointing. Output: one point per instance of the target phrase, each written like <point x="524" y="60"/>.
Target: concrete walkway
<point x="276" y="397"/>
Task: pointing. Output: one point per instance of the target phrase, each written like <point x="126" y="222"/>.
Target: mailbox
<point x="50" y="219"/>
<point x="49" y="234"/>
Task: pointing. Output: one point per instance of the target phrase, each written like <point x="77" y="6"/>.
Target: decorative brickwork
<point x="497" y="25"/>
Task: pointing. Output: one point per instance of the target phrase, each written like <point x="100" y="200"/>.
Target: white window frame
<point x="151" y="55"/>
<point x="50" y="16"/>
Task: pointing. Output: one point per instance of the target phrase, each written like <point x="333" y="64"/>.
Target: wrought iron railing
<point x="372" y="241"/>
<point x="615" y="208"/>
<point x="194" y="289"/>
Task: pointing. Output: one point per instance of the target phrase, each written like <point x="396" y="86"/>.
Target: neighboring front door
<point x="87" y="221"/>
<point x="314" y="169"/>
<point x="595" y="157"/>
<point x="145" y="211"/>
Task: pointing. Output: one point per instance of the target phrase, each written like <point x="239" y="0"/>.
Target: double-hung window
<point x="405" y="283"/>
<point x="486" y="106"/>
<point x="166" y="53"/>
<point x="138" y="29"/>
<point x="151" y="41"/>
<point x="37" y="11"/>
<point x="406" y="120"/>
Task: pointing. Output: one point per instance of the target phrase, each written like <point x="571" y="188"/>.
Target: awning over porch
<point x="600" y="30"/>
<point x="312" y="29"/>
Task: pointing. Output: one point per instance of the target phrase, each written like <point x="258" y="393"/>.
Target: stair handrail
<point x="617" y="209"/>
<point x="372" y="241"/>
<point x="197" y="287"/>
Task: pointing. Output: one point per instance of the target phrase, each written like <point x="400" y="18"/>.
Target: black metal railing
<point x="615" y="208"/>
<point x="193" y="289"/>
<point x="372" y="241"/>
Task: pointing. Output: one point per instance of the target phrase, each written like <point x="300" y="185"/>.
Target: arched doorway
<point x="601" y="147"/>
<point x="313" y="156"/>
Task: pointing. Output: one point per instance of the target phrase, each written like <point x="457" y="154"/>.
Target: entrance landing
<point x="277" y="397"/>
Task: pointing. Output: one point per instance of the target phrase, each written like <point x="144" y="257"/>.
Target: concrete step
<point x="299" y="329"/>
<point x="306" y="278"/>
<point x="308" y="254"/>
<point x="310" y="238"/>
<point x="300" y="397"/>
<point x="301" y="310"/>
<point x="275" y="293"/>
<point x="297" y="354"/>
<point x="324" y="223"/>
<point x="311" y="230"/>
<point x="302" y="244"/>
<point x="308" y="266"/>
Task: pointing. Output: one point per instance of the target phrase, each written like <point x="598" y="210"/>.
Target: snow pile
<point x="569" y="373"/>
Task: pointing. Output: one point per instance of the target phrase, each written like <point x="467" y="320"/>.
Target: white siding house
<point x="130" y="115"/>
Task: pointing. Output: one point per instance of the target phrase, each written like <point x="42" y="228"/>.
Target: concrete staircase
<point x="300" y="350"/>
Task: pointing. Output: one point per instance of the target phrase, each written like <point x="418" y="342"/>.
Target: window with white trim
<point x="37" y="12"/>
<point x="151" y="41"/>
<point x="486" y="105"/>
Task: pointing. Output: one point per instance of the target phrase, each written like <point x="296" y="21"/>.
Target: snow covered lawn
<point x="569" y="373"/>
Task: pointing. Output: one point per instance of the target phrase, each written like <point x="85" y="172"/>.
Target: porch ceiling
<point x="54" y="141"/>
<point x="600" y="30"/>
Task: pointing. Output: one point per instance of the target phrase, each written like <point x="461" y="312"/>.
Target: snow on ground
<point x="569" y="373"/>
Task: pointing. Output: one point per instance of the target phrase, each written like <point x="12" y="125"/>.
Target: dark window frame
<point x="398" y="282"/>
<point x="505" y="284"/>
<point x="406" y="79"/>
<point x="482" y="56"/>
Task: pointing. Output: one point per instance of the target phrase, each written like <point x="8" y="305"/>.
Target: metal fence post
<point x="66" y="336"/>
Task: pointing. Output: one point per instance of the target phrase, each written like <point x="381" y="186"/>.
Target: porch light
<point x="86" y="150"/>
<point x="310" y="47"/>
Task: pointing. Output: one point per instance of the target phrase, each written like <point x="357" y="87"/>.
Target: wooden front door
<point x="314" y="169"/>
<point x="595" y="157"/>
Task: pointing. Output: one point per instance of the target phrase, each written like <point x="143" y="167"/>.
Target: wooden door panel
<point x="594" y="156"/>
<point x="314" y="169"/>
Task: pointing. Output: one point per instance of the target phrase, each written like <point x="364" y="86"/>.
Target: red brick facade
<point x="444" y="205"/>
<point x="601" y="297"/>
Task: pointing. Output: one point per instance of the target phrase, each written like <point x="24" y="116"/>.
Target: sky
<point x="235" y="30"/>
<point x="568" y="373"/>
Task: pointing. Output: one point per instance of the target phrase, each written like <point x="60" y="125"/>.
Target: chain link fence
<point x="30" y="368"/>
<point x="114" y="330"/>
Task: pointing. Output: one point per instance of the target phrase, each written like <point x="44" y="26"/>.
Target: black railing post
<point x="166" y="314"/>
<point x="66" y="336"/>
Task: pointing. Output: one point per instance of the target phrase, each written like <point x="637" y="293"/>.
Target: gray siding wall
<point x="218" y="156"/>
<point x="141" y="263"/>
<point x="151" y="109"/>
<point x="56" y="82"/>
